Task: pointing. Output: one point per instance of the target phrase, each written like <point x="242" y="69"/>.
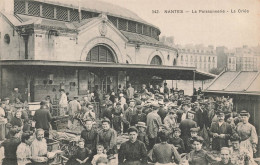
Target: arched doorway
<point x="99" y="79"/>
<point x="100" y="53"/>
<point x="156" y="60"/>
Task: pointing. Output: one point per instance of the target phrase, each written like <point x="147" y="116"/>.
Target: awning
<point x="165" y="72"/>
<point x="243" y="82"/>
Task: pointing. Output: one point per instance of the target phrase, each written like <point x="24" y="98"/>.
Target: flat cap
<point x="195" y="129"/>
<point x="244" y="113"/>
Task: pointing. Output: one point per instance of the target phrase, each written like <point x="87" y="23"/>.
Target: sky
<point x="219" y="29"/>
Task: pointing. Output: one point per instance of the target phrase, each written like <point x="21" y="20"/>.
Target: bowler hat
<point x="141" y="124"/>
<point x="139" y="107"/>
<point x="105" y="120"/>
<point x="172" y="110"/>
<point x="43" y="102"/>
<point x="155" y="105"/>
<point x="192" y="112"/>
<point x="220" y="113"/>
<point x="244" y="113"/>
<point x="18" y="106"/>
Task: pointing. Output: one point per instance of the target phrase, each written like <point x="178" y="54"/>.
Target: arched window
<point x="100" y="53"/>
<point x="174" y="62"/>
<point x="156" y="60"/>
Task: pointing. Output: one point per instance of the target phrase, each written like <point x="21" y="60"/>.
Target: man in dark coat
<point x="89" y="135"/>
<point x="43" y="118"/>
<point x="133" y="151"/>
<point x="185" y="127"/>
<point x="220" y="131"/>
<point x="139" y="116"/>
<point x="130" y="112"/>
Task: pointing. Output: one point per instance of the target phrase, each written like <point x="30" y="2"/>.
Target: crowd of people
<point x="164" y="127"/>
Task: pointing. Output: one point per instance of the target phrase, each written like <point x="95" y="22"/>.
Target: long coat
<point x="225" y="128"/>
<point x="153" y="123"/>
<point x="42" y="118"/>
<point x="129" y="116"/>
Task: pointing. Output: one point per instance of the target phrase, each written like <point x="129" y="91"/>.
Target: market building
<point x="48" y="45"/>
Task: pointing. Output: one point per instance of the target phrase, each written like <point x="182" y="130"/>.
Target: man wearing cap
<point x="130" y="112"/>
<point x="107" y="113"/>
<point x="142" y="135"/>
<point x="162" y="112"/>
<point x="220" y="131"/>
<point x="15" y="97"/>
<point x="117" y="113"/>
<point x="170" y="119"/>
<point x="247" y="133"/>
<point x="74" y="107"/>
<point x="137" y="99"/>
<point x="143" y="90"/>
<point x="107" y="100"/>
<point x="133" y="151"/>
<point x="89" y="114"/>
<point x="107" y="137"/>
<point x="185" y="127"/>
<point x="89" y="134"/>
<point x="183" y="113"/>
<point x="202" y="120"/>
<point x="153" y="124"/>
<point x="43" y="118"/>
<point x="166" y="90"/>
<point x="139" y="116"/>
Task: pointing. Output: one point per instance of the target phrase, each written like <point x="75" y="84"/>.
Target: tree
<point x="215" y="71"/>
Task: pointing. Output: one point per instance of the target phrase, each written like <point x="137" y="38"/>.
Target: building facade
<point x="50" y="45"/>
<point x="203" y="58"/>
<point x="244" y="59"/>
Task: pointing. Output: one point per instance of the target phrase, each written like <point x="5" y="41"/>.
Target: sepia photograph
<point x="129" y="82"/>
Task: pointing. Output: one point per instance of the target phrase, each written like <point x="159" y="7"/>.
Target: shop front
<point x="37" y="78"/>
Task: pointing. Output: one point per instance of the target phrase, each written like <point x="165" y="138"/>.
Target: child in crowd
<point x="100" y="153"/>
<point x="198" y="156"/>
<point x="176" y="140"/>
<point x="194" y="133"/>
<point x="81" y="156"/>
<point x="142" y="136"/>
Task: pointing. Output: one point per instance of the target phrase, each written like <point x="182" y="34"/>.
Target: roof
<point x="143" y="39"/>
<point x="162" y="71"/>
<point x="28" y="20"/>
<point x="99" y="7"/>
<point x="243" y="82"/>
<point x="75" y="26"/>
